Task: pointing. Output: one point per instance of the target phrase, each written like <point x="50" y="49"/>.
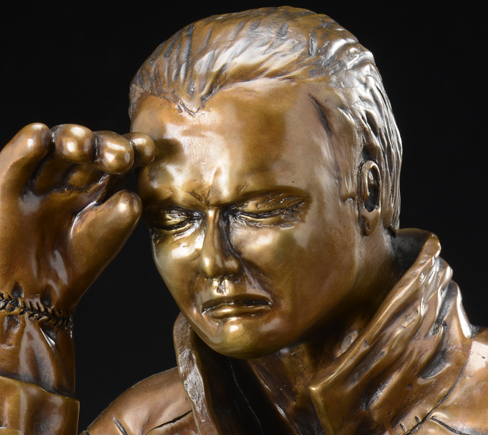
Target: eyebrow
<point x="195" y="200"/>
<point x="198" y="197"/>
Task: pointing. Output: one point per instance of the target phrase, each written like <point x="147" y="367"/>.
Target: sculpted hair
<point x="294" y="46"/>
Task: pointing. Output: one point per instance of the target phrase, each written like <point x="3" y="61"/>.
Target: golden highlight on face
<point x="248" y="228"/>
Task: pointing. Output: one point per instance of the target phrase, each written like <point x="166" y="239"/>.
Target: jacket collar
<point x="389" y="380"/>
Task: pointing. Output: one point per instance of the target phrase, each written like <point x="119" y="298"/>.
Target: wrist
<point x="15" y="305"/>
<point x="36" y="344"/>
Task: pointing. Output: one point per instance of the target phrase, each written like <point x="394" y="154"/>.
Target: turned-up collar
<point x="391" y="378"/>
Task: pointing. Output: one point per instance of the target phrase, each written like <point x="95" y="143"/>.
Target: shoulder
<point x="155" y="402"/>
<point x="464" y="409"/>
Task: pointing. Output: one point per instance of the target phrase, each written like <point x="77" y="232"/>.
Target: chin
<point x="237" y="338"/>
<point x="239" y="351"/>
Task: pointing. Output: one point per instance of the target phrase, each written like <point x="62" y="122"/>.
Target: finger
<point x="83" y="176"/>
<point x="73" y="144"/>
<point x="144" y="148"/>
<point x="115" y="153"/>
<point x="22" y="155"/>
<point x="99" y="233"/>
<point x="82" y="157"/>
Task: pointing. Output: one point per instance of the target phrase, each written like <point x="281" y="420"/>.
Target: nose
<point x="217" y="257"/>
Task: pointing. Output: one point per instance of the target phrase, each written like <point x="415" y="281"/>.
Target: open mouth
<point x="222" y="308"/>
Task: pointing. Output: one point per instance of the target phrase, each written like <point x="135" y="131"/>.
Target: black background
<point x="69" y="62"/>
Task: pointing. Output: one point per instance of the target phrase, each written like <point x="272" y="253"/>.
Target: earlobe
<point x="370" y="197"/>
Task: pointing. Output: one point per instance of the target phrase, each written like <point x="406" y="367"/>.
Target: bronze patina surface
<point x="268" y="164"/>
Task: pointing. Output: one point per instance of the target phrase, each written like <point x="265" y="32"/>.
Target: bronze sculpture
<point x="295" y="199"/>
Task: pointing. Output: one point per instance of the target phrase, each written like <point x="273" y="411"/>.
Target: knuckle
<point x="144" y="147"/>
<point x="74" y="142"/>
<point x="129" y="204"/>
<point x="31" y="142"/>
<point x="36" y="129"/>
<point x="36" y="135"/>
<point x="139" y="138"/>
<point x="115" y="153"/>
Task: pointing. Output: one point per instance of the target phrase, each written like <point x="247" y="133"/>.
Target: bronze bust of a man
<point x="268" y="164"/>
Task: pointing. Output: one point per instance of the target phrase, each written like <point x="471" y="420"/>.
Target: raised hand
<point x="59" y="226"/>
<point x="60" y="221"/>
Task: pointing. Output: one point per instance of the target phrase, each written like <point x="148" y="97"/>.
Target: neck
<point x="286" y="375"/>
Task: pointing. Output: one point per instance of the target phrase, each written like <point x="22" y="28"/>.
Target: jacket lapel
<point x="406" y="361"/>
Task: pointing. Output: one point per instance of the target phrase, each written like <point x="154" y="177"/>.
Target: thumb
<point x="99" y="232"/>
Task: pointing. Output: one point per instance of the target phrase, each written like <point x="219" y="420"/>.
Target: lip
<point x="235" y="307"/>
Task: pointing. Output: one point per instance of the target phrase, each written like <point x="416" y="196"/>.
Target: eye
<point x="174" y="221"/>
<point x="270" y="211"/>
<point x="270" y="218"/>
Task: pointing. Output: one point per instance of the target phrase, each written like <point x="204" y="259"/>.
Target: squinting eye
<point x="270" y="218"/>
<point x="174" y="221"/>
<point x="285" y="212"/>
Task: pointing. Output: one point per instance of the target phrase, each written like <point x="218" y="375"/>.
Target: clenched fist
<point x="61" y="221"/>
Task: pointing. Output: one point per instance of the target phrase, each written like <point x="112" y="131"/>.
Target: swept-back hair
<point x="294" y="45"/>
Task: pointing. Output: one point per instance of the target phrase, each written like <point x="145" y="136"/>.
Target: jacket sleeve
<point x="156" y="405"/>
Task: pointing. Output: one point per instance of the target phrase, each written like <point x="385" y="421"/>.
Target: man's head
<point x="293" y="46"/>
<point x="265" y="179"/>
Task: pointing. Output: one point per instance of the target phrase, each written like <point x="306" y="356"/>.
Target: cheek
<point x="177" y="260"/>
<point x="263" y="246"/>
<point x="278" y="249"/>
<point x="275" y="258"/>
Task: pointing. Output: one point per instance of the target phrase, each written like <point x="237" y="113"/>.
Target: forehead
<point x="250" y="137"/>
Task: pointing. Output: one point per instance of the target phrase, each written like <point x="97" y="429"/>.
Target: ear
<point x="370" y="196"/>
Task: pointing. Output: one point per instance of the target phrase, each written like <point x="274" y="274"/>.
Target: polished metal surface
<point x="267" y="159"/>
